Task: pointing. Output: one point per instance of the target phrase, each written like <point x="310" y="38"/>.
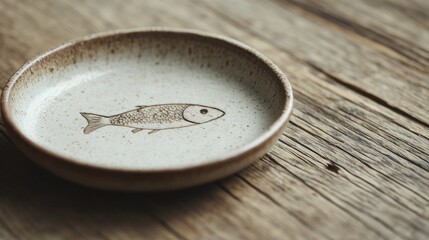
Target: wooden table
<point x="352" y="164"/>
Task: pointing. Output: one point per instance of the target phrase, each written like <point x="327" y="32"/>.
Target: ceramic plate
<point x="150" y="109"/>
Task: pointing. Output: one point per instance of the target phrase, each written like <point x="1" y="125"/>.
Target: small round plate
<point x="152" y="109"/>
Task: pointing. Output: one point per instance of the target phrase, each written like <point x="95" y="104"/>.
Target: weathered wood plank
<point x="335" y="52"/>
<point x="415" y="10"/>
<point x="371" y="19"/>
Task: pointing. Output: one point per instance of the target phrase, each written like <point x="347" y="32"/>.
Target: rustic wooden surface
<point x="353" y="163"/>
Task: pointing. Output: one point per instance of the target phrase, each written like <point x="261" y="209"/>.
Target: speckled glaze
<point x="217" y="105"/>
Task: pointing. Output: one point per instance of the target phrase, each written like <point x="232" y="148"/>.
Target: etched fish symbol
<point x="155" y="117"/>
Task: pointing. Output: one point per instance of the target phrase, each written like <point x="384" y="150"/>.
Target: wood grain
<point x="353" y="163"/>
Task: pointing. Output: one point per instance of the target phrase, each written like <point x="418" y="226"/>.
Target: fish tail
<point x="94" y="122"/>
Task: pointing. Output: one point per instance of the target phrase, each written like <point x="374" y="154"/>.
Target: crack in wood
<point x="167" y="226"/>
<point x="368" y="95"/>
<point x="356" y="176"/>
<point x="354" y="157"/>
<point x="394" y="43"/>
<point x="227" y="191"/>
<point x="331" y="85"/>
<point x="364" y="189"/>
<point x="351" y="214"/>
<point x="358" y="132"/>
<point x="397" y="154"/>
<point x="331" y="166"/>
<point x="355" y="88"/>
<point x="273" y="200"/>
<point x="259" y="210"/>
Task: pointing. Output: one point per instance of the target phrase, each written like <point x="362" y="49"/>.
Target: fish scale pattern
<point x="151" y="114"/>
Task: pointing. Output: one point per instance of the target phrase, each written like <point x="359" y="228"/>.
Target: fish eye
<point x="204" y="111"/>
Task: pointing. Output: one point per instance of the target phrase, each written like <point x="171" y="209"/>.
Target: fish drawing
<point x="155" y="117"/>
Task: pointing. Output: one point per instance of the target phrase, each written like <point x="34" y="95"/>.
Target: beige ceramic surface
<point x="142" y="101"/>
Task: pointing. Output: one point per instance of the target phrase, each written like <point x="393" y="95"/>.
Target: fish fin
<point x="94" y="122"/>
<point x="154" y="131"/>
<point x="136" y="130"/>
<point x="140" y="107"/>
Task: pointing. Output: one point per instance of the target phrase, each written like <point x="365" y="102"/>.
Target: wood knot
<point x="332" y="167"/>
